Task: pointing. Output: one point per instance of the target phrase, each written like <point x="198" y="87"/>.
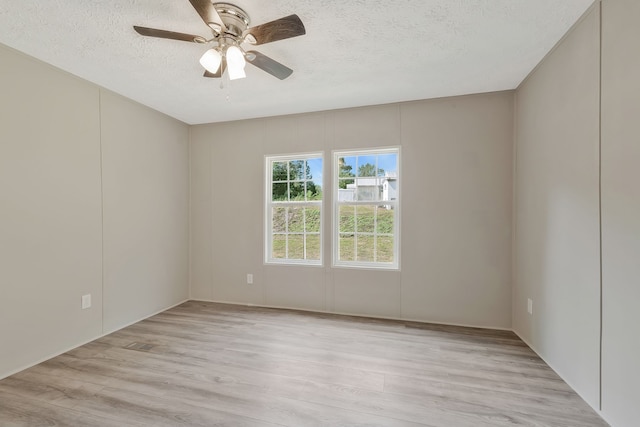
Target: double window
<point x="365" y="209"/>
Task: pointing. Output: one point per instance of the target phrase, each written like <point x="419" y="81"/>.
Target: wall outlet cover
<point x="86" y="301"/>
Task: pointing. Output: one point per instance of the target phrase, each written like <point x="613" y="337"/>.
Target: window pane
<point x="368" y="190"/>
<point x="365" y="216"/>
<point x="365" y="246"/>
<point x="389" y="188"/>
<point x="347" y="219"/>
<point x="297" y="170"/>
<point x="367" y="166"/>
<point x="312" y="223"/>
<point x="314" y="190"/>
<point x="385" y="220"/>
<point x="385" y="249"/>
<point x="346" y="247"/>
<point x="296" y="220"/>
<point x="314" y="183"/>
<point x="297" y="191"/>
<point x="279" y="218"/>
<point x="346" y="166"/>
<point x="315" y="169"/>
<point x="296" y="246"/>
<point x="279" y="171"/>
<point x="388" y="164"/>
<point x="279" y="192"/>
<point x="346" y="190"/>
<point x="279" y="250"/>
<point x="313" y="246"/>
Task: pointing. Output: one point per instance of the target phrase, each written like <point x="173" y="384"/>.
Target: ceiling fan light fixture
<point x="229" y="25"/>
<point x="235" y="63"/>
<point x="211" y="60"/>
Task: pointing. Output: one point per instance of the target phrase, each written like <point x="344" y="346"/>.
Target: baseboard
<point x="51" y="356"/>
<point x="341" y="313"/>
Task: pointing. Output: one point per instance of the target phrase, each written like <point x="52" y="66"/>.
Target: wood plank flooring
<point x="206" y="364"/>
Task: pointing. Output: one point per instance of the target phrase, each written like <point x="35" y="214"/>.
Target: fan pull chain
<point x="223" y="79"/>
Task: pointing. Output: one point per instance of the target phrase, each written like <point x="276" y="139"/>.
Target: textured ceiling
<point x="355" y="52"/>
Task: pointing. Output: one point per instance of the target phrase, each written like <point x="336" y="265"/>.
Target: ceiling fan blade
<point x="209" y="14"/>
<point x="220" y="72"/>
<point x="280" y="29"/>
<point x="269" y="65"/>
<point x="163" y="34"/>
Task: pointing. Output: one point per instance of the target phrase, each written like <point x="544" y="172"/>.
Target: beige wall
<point x="577" y="149"/>
<point x="50" y="211"/>
<point x="456" y="212"/>
<point x="621" y="212"/>
<point x="52" y="129"/>
<point x="145" y="161"/>
<point x="557" y="209"/>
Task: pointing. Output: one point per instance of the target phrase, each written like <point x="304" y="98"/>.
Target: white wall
<point x="54" y="129"/>
<point x="621" y="212"/>
<point x="456" y="213"/>
<point x="557" y="209"/>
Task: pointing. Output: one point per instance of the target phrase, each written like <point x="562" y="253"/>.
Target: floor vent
<point x="139" y="346"/>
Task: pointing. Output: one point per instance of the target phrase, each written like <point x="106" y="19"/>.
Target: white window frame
<point x="395" y="265"/>
<point x="270" y="204"/>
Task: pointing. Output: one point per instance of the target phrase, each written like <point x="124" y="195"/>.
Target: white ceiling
<point x="355" y="52"/>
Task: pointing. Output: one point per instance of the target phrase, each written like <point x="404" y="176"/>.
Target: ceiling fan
<point x="229" y="25"/>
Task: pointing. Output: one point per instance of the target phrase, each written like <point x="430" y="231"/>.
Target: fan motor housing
<point x="235" y="18"/>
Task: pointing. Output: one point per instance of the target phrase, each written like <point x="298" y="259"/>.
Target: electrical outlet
<point x="86" y="301"/>
<point x="530" y="306"/>
<point x="249" y="279"/>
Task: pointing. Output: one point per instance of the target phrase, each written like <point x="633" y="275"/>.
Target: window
<point x="366" y="208"/>
<point x="294" y="209"/>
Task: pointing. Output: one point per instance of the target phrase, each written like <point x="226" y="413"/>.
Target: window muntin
<point x="294" y="209"/>
<point x="366" y="208"/>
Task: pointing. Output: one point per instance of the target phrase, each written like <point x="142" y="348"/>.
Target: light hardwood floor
<point x="206" y="364"/>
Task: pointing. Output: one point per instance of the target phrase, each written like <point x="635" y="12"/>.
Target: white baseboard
<point x="401" y="319"/>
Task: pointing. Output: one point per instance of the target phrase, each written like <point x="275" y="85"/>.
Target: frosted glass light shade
<point x="235" y="63"/>
<point x="211" y="60"/>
